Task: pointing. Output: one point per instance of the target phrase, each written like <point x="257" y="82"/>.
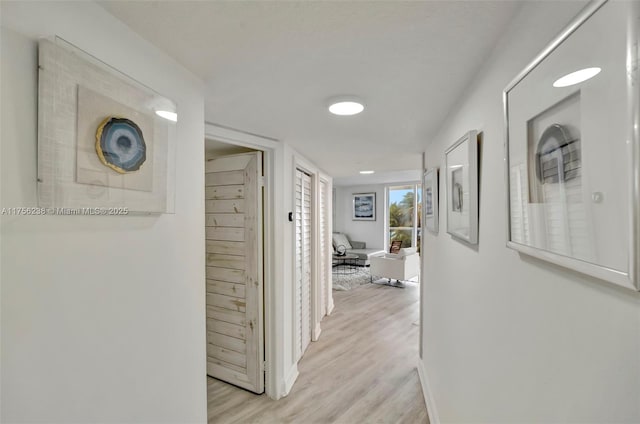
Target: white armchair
<point x="402" y="266"/>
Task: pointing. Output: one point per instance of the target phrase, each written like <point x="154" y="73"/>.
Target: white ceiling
<point x="270" y="67"/>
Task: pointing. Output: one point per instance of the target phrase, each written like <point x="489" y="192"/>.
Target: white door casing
<point x="303" y="253"/>
<point x="323" y="236"/>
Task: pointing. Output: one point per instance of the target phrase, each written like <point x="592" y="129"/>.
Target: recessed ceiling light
<point x="171" y="116"/>
<point x="346" y="107"/>
<point x="576" y="77"/>
<point x="367" y="172"/>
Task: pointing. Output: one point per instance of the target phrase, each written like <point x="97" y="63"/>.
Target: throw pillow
<point x="341" y="239"/>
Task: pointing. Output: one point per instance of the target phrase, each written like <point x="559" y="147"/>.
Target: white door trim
<point x="328" y="205"/>
<point x="308" y="168"/>
<point x="301" y="327"/>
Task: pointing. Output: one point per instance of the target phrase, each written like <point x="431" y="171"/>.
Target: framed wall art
<point x="104" y="140"/>
<point x="571" y="131"/>
<point x="430" y="196"/>
<point x="364" y="207"/>
<point x="462" y="188"/>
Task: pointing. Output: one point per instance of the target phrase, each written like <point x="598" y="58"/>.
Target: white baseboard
<point x="432" y="411"/>
<point x="291" y="378"/>
<point x="317" y="332"/>
<point x="330" y="307"/>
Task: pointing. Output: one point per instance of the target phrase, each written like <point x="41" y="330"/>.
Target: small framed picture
<point x="462" y="188"/>
<point x="431" y="200"/>
<point x="364" y="207"/>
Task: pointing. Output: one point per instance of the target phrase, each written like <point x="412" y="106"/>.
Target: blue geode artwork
<point x="120" y="144"/>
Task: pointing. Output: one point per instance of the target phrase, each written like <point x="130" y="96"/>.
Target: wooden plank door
<point x="235" y="335"/>
<point x="303" y="258"/>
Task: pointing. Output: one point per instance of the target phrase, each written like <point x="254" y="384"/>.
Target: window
<point x="404" y="214"/>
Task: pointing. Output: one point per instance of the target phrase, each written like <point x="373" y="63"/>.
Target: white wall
<point x="103" y="318"/>
<point x="371" y="232"/>
<point x="507" y="338"/>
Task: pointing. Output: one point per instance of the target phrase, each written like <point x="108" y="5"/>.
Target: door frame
<point x="308" y="168"/>
<point x="328" y="205"/>
<point x="272" y="162"/>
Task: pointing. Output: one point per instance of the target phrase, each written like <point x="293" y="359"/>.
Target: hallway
<point x="362" y="370"/>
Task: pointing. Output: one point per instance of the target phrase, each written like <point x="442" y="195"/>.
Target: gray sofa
<point x="356" y="248"/>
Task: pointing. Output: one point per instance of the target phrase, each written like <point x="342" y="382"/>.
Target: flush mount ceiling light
<point x="367" y="172"/>
<point x="345" y="106"/>
<point x="576" y="77"/>
<point x="171" y="116"/>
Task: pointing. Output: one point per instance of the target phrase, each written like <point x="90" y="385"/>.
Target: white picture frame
<point x="364" y="207"/>
<point x="571" y="150"/>
<point x="461" y="165"/>
<point x="430" y="199"/>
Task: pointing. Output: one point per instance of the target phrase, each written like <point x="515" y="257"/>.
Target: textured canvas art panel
<point x="100" y="142"/>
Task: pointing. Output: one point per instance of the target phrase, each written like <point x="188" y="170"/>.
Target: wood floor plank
<point x="362" y="370"/>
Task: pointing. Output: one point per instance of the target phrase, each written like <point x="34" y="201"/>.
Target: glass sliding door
<point x="405" y="213"/>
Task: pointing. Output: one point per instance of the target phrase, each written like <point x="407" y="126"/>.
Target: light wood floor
<point x="362" y="370"/>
